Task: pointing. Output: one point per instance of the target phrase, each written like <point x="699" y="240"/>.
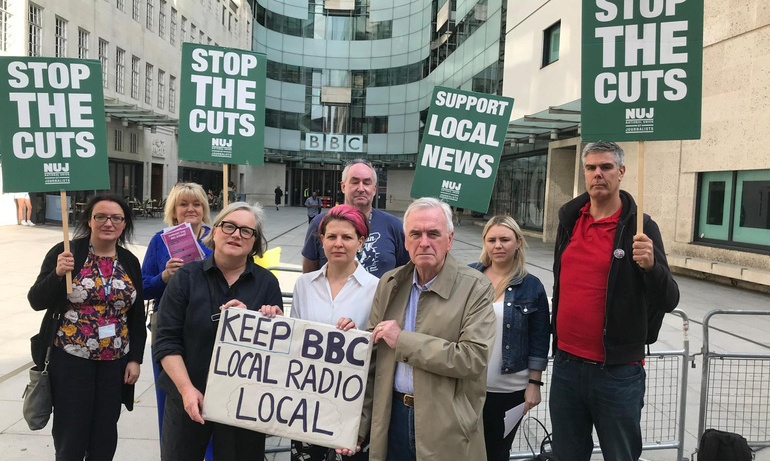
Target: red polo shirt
<point x="585" y="267"/>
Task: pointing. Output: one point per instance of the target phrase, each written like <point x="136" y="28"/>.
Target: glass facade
<point x="520" y="190"/>
<point x="369" y="71"/>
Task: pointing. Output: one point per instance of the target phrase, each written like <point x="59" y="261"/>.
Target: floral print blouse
<point x="95" y="324"/>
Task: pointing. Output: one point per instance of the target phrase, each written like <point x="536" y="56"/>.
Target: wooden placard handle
<point x="225" y="188"/>
<point x="640" y="188"/>
<point x="66" y="232"/>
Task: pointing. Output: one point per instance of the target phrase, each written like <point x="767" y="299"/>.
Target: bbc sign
<point x="334" y="142"/>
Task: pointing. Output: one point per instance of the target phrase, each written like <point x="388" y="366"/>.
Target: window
<point x="201" y="35"/>
<point x="4" y="19"/>
<point x="193" y="32"/>
<point x="120" y="70"/>
<point x="162" y="19"/>
<point x="149" y="14"/>
<point x="104" y="58"/>
<point x="60" y="34"/>
<point x="148" y="83"/>
<point x="35" y="30"/>
<point x="119" y="140"/>
<point x="161" y="88"/>
<point x="734" y="208"/>
<point x="183" y="31"/>
<point x="121" y="5"/>
<point x="223" y="15"/>
<point x="83" y="38"/>
<point x="171" y="94"/>
<point x="172" y="29"/>
<point x="551" y="44"/>
<point x="134" y="77"/>
<point x="230" y="21"/>
<point x="133" y="142"/>
<point x="136" y="12"/>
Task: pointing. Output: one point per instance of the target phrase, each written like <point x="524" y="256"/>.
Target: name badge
<point x="107" y="331"/>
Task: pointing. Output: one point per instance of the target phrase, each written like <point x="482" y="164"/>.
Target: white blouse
<point x="496" y="381"/>
<point x="313" y="297"/>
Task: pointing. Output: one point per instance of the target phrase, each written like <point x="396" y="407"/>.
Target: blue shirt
<point x="403" y="381"/>
<point x="313" y="211"/>
<point x="154" y="264"/>
<point x="383" y="250"/>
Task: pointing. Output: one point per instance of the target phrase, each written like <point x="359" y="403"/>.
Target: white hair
<point x="430" y="202"/>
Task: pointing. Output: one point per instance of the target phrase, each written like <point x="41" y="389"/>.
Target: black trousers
<point x="498" y="445"/>
<point x="86" y="406"/>
<point x="183" y="439"/>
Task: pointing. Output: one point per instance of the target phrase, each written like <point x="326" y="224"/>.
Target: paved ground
<point x="22" y="250"/>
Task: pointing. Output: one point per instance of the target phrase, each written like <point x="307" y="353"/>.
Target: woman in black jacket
<point x="96" y="333"/>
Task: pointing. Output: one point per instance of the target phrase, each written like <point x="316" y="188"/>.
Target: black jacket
<point x="636" y="299"/>
<point x="49" y="293"/>
<point x="185" y="323"/>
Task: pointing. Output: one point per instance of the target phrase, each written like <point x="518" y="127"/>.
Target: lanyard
<point x="107" y="285"/>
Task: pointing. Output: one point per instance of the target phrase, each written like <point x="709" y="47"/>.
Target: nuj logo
<point x="221" y="142"/>
<point x="640" y="113"/>
<point x="56" y="167"/>
<point x="451" y="185"/>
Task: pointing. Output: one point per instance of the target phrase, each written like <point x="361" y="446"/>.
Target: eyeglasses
<point x="230" y="228"/>
<point x="102" y="218"/>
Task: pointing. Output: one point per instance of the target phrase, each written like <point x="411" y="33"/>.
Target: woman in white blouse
<point x="340" y="293"/>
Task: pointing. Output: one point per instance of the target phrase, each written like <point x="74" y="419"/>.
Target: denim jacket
<point x="526" y="324"/>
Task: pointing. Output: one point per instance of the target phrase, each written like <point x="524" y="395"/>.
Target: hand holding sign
<point x="387" y="330"/>
<point x="65" y="262"/>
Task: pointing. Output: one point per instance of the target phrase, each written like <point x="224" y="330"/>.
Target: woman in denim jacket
<point x="520" y="353"/>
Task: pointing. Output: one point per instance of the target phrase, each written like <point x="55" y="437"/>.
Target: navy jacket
<point x="155" y="259"/>
<point x="636" y="299"/>
<point x="525" y="324"/>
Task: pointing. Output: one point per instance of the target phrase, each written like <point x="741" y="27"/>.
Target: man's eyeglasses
<point x="230" y="228"/>
<point x="102" y="218"/>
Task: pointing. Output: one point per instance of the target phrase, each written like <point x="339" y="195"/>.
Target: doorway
<point x="156" y="182"/>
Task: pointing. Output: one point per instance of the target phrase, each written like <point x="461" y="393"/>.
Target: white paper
<point x="512" y="417"/>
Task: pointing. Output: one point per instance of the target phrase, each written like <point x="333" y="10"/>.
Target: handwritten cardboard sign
<point x="288" y="377"/>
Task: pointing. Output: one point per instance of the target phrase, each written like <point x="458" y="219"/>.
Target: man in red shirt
<point x="612" y="287"/>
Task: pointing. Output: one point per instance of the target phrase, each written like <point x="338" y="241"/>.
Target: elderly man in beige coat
<point x="433" y="326"/>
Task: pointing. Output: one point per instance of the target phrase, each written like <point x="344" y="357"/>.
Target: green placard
<point x="53" y="133"/>
<point x="642" y="70"/>
<point x="222" y="105"/>
<point x="461" y="147"/>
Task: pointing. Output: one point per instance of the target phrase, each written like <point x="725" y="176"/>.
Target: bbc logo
<point x="334" y="142"/>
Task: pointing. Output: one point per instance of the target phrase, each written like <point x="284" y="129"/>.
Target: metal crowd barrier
<point x="735" y="386"/>
<point x="663" y="415"/>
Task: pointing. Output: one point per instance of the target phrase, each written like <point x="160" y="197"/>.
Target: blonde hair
<point x="518" y="268"/>
<point x="185" y="189"/>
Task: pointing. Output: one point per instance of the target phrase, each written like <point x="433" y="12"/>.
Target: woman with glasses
<point x="187" y="325"/>
<point x="98" y="343"/>
<point x="520" y="353"/>
<point x="186" y="203"/>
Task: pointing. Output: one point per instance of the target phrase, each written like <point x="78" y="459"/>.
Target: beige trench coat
<point x="449" y="350"/>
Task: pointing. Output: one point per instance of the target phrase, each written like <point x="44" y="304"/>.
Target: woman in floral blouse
<point x="99" y="343"/>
